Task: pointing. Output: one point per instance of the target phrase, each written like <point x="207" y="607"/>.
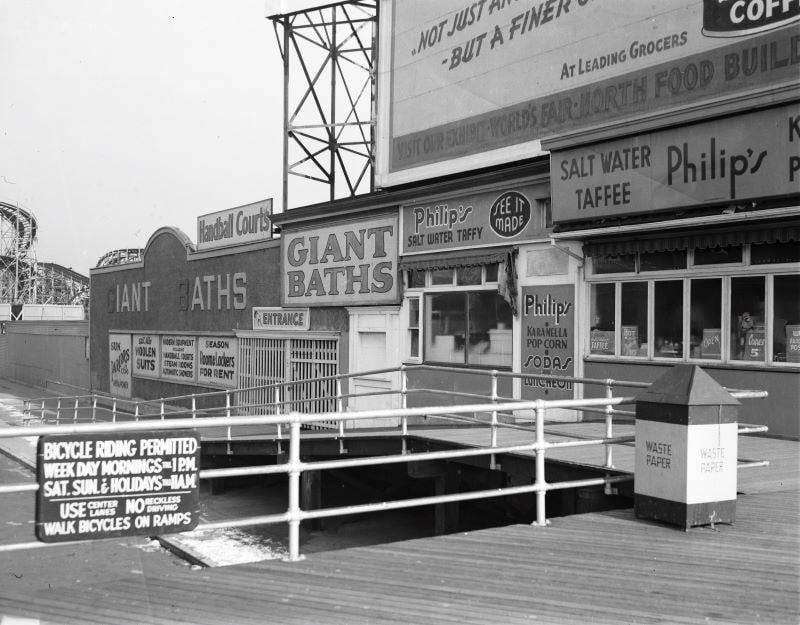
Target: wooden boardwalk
<point x="592" y="568"/>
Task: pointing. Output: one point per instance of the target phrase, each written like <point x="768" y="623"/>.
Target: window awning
<point x="462" y="258"/>
<point x="695" y="240"/>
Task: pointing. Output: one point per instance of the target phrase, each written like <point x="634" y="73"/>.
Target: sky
<point x="118" y="118"/>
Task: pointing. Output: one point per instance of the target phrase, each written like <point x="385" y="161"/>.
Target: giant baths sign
<point x="726" y="161"/>
<point x="343" y="264"/>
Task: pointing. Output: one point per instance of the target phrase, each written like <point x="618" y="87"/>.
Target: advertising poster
<point x="124" y="484"/>
<point x="450" y="73"/>
<point x="217" y="356"/>
<point x="548" y="340"/>
<point x="146" y="355"/>
<point x="178" y="358"/>
<point x="119" y="366"/>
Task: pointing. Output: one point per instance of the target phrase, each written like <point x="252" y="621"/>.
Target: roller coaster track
<point x="23" y="280"/>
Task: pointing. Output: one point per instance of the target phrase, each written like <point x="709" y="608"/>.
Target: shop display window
<point x="615" y="264"/>
<point x="738" y="303"/>
<point x="634" y="319"/>
<point x="601" y="340"/>
<point x="413" y="327"/>
<point x="747" y="340"/>
<point x="705" y="323"/>
<point x="668" y="319"/>
<point x="415" y="279"/>
<point x="786" y="319"/>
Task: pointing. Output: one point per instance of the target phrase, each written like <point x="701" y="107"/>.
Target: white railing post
<point x="404" y="419"/>
<point x="492" y="459"/>
<point x="94" y="408"/>
<point x="228" y="411"/>
<point x="279" y="410"/>
<point x="114" y="411"/>
<point x="42" y="417"/>
<point x="194" y="407"/>
<point x="608" y="489"/>
<point x="340" y="410"/>
<point x="541" y="484"/>
<point x="136" y="411"/>
<point x="75" y="415"/>
<point x="294" y="490"/>
<point x="162" y="409"/>
<point x="58" y="411"/>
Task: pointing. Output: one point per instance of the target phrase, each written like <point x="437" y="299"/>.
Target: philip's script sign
<point x="124" y="484"/>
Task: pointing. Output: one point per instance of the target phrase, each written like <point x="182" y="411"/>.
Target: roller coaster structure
<point x="24" y="280"/>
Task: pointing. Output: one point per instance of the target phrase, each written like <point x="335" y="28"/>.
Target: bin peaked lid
<point x="687" y="385"/>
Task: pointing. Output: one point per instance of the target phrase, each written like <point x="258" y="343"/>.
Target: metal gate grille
<point x="298" y="362"/>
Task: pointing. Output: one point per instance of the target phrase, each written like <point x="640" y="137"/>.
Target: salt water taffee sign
<point x="548" y="340"/>
<point x="486" y="218"/>
<point x="233" y="226"/>
<point x="343" y="264"/>
<point x="727" y="160"/>
<point x="124" y="484"/>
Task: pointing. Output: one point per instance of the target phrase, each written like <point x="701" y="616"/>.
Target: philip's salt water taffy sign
<point x="484" y="218"/>
<point x="726" y="160"/>
<point x="343" y="264"/>
<point x="244" y="224"/>
<point x="124" y="484"/>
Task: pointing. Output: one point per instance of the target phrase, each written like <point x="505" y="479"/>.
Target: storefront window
<point x="413" y="327"/>
<point x="442" y="276"/>
<point x="718" y="255"/>
<point x="668" y="319"/>
<point x="601" y="339"/>
<point x="786" y="319"/>
<point x="634" y="319"/>
<point x="747" y="319"/>
<point x="468" y="276"/>
<point x="771" y="253"/>
<point x="416" y="278"/>
<point x="623" y="263"/>
<point x="705" y="329"/>
<point x="662" y="261"/>
<point x="472" y="327"/>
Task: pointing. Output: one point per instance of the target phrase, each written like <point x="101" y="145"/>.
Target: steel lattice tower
<point x="330" y="72"/>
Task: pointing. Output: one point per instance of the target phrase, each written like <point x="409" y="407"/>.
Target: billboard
<point x="471" y="84"/>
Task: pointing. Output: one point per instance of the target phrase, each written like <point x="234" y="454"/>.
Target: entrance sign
<point x="119" y="366"/>
<point x="217" y="356"/>
<point x="548" y="340"/>
<point x="125" y="484"/>
<point x="276" y="318"/>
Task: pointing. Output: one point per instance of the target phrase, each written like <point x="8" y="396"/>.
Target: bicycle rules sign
<point x="122" y="484"/>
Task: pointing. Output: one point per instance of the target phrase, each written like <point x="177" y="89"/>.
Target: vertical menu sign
<point x="548" y="344"/>
<point x="122" y="484"/>
<point x="119" y="365"/>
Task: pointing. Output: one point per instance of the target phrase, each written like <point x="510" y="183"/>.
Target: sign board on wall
<point x="233" y="226"/>
<point x="548" y="340"/>
<point x="276" y="318"/>
<point x="217" y="358"/>
<point x="119" y="367"/>
<point x="472" y="220"/>
<point x="450" y="78"/>
<point x="125" y="484"/>
<point x="349" y="264"/>
<point x="726" y="160"/>
<point x="178" y="361"/>
<point x="146" y="355"/>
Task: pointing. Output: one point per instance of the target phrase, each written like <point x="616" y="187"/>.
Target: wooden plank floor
<point x="592" y="568"/>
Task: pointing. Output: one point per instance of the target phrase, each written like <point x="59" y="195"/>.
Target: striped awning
<point x="462" y="258"/>
<point x="693" y="240"/>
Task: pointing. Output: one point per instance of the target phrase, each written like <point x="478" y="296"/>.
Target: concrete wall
<point x="35" y="352"/>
